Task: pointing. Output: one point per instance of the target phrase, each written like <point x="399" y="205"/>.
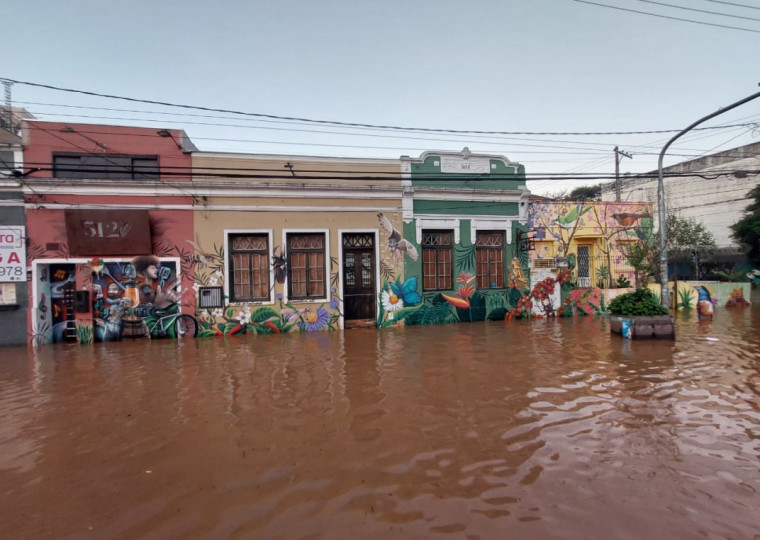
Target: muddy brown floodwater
<point x="543" y="429"/>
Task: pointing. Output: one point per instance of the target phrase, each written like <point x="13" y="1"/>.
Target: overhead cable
<point x="333" y="122"/>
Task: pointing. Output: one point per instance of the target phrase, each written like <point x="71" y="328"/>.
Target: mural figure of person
<point x="151" y="282"/>
<point x="108" y="325"/>
<point x="147" y="277"/>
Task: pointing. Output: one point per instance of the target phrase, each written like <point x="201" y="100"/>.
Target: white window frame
<point x="449" y="224"/>
<point x="504" y="225"/>
<point x="227" y="280"/>
<point x="286" y="286"/>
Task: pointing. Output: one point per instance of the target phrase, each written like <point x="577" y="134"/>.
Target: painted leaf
<point x="264" y="314"/>
<point x="425" y="315"/>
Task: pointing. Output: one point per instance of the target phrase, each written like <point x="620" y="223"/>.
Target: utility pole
<point x="618" y="156"/>
<point x="8" y="106"/>
<point x="661" y="209"/>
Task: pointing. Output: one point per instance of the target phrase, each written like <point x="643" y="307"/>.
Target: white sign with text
<point x="12" y="254"/>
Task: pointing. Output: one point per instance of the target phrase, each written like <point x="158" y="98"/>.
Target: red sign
<point x="108" y="232"/>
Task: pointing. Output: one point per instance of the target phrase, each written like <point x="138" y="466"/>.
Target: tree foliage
<point x="579" y="194"/>
<point x="643" y="256"/>
<point x="747" y="230"/>
<point x="685" y="235"/>
<point x="586" y="193"/>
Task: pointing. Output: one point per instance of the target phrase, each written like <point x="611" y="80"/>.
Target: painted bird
<point x="568" y="219"/>
<point x="280" y="265"/>
<point x="704" y="303"/>
<point x="395" y="243"/>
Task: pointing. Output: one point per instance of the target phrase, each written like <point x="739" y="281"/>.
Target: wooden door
<point x="359" y="288"/>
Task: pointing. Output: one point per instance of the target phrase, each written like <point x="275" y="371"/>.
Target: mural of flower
<point x="213" y="282"/>
<point x="466" y="289"/>
<point x="196" y="286"/>
<point x="391" y="301"/>
<point x="334" y="302"/>
<point x="406" y="291"/>
<point x="218" y="312"/>
<point x="244" y="317"/>
<point x="315" y="320"/>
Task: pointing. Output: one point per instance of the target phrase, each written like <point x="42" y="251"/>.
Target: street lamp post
<point x="665" y="297"/>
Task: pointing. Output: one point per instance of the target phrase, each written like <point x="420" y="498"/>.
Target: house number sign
<point x="108" y="232"/>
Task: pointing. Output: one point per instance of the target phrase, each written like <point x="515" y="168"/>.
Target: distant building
<point x="587" y="237"/>
<point x="711" y="189"/>
<point x="13" y="275"/>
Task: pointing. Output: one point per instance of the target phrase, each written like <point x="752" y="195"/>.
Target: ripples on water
<point x="547" y="429"/>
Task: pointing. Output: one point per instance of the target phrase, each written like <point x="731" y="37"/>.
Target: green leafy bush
<point x="623" y="282"/>
<point x="639" y="302"/>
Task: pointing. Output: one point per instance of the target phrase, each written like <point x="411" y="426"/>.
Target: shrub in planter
<point x="641" y="302"/>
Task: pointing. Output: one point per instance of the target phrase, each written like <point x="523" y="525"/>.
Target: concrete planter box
<point x="644" y="327"/>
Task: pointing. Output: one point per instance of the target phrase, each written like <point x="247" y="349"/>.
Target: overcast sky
<point x="489" y="65"/>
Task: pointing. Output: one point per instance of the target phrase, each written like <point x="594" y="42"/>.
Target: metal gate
<point x="584" y="267"/>
<point x="359" y="290"/>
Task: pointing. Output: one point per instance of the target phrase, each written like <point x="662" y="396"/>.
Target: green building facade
<point x="462" y="240"/>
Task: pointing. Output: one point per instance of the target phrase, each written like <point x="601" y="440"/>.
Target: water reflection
<point x="552" y="428"/>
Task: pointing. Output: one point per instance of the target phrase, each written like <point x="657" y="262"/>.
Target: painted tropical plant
<point x="269" y="320"/>
<point x="461" y="298"/>
<point x="685" y="298"/>
<point x="540" y="296"/>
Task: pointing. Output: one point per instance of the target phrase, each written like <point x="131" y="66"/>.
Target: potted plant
<point x="639" y="314"/>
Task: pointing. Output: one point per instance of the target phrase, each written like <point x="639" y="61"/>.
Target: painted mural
<point x="86" y="300"/>
<point x="206" y="269"/>
<point x="592" y="235"/>
<point x="704" y="297"/>
<point x="138" y="298"/>
<point x="401" y="299"/>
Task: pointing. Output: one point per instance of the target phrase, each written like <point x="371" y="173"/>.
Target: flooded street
<point x="542" y="429"/>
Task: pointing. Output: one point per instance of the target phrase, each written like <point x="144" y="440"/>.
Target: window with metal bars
<point x="489" y="259"/>
<point x="306" y="266"/>
<point x="436" y="260"/>
<point x="249" y="267"/>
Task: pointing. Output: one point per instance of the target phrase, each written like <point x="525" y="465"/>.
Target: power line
<point x="202" y="172"/>
<point x="663" y="17"/>
<point x="501" y="143"/>
<point x="590" y="151"/>
<point x="703" y="128"/>
<point x="335" y="122"/>
<point x="732" y="4"/>
<point x="396" y="174"/>
<point x="699" y="10"/>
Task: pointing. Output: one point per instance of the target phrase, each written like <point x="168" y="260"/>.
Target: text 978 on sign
<point x="12" y="254"/>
